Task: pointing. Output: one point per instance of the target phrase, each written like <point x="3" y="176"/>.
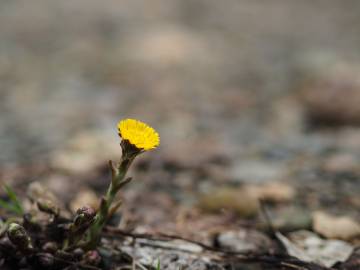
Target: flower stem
<point x="117" y="182"/>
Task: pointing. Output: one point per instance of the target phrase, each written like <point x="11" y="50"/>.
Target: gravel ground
<point x="241" y="92"/>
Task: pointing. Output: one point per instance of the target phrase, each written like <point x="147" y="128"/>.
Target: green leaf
<point x="13" y="197"/>
<point x="14" y="205"/>
<point x="158" y="265"/>
<point x="8" y="206"/>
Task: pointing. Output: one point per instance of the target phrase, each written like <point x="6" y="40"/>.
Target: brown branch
<point x="76" y="264"/>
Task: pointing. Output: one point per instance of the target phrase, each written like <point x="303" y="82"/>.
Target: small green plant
<point x="55" y="241"/>
<point x="137" y="137"/>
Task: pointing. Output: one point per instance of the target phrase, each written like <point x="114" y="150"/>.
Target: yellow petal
<point x="138" y="134"/>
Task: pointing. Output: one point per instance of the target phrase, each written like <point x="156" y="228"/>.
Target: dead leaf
<point x="292" y="249"/>
<point x="308" y="247"/>
<point x="335" y="227"/>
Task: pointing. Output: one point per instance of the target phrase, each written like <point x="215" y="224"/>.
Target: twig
<point x="291" y="265"/>
<point x="279" y="260"/>
<point x="274" y="232"/>
<point x="266" y="215"/>
<point x="140" y="266"/>
<point x="165" y="247"/>
<point x="112" y="232"/>
<point x="78" y="264"/>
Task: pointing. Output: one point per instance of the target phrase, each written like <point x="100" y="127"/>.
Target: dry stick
<point x="266" y="215"/>
<point x="165" y="247"/>
<point x="113" y="232"/>
<point x="78" y="264"/>
<point x="292" y="266"/>
<point x="274" y="259"/>
<point x="274" y="232"/>
<point x="140" y="266"/>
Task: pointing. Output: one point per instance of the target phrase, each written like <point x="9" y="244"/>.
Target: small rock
<point x="61" y="185"/>
<point x="339" y="163"/>
<point x="170" y="258"/>
<point x="36" y="191"/>
<point x="273" y="192"/>
<point x="332" y="96"/>
<point x="244" y="200"/>
<point x="292" y="219"/>
<point x="234" y="199"/>
<point x="244" y="241"/>
<point x="335" y="227"/>
<point x="254" y="171"/>
<point x="78" y="253"/>
<point x="194" y="153"/>
<point x="85" y="197"/>
<point x="291" y="122"/>
<point x="165" y="47"/>
<point x="348" y="139"/>
<point x="85" y="152"/>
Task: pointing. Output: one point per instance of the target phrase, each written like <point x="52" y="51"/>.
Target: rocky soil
<point x="254" y="101"/>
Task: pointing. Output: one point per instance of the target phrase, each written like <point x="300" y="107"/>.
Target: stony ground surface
<point x="252" y="99"/>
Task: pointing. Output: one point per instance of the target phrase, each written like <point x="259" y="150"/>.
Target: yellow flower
<point x="138" y="134"/>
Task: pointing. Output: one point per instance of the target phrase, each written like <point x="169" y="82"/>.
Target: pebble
<point x="244" y="240"/>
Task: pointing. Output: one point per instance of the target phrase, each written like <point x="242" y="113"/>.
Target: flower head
<point x="138" y="134"/>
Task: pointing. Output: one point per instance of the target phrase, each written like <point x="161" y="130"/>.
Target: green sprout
<point x="158" y="265"/>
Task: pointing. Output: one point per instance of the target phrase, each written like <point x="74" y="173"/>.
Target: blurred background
<point x="241" y="92"/>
